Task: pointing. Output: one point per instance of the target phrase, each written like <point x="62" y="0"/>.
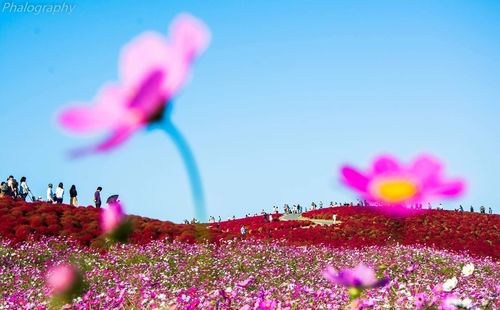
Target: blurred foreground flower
<point x="153" y="70"/>
<point x="397" y="186"/>
<point x="357" y="279"/>
<point x="115" y="224"/>
<point x="65" y="283"/>
<point x="450" y="284"/>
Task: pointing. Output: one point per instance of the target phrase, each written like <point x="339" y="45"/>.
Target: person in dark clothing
<point x="489" y="210"/>
<point x="97" y="197"/>
<point x="482" y="209"/>
<point x="471" y="209"/>
<point x="72" y="196"/>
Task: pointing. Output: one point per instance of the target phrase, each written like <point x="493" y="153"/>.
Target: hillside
<point x="361" y="226"/>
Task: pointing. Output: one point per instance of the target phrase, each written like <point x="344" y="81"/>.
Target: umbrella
<point x="112" y="199"/>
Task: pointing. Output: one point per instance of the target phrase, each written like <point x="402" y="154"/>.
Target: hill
<point x="475" y="233"/>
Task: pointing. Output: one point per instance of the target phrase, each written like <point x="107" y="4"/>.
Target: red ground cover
<point x="361" y="226"/>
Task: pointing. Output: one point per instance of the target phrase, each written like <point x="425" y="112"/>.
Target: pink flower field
<point x="245" y="274"/>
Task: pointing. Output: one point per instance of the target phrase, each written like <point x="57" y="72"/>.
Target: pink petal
<point x="189" y="35"/>
<point x="104" y="113"/>
<point x="151" y="52"/>
<point x="149" y="99"/>
<point x="118" y="137"/>
<point x="365" y="274"/>
<point x="354" y="179"/>
<point x="386" y="164"/>
<point x="448" y="189"/>
<point x="427" y="169"/>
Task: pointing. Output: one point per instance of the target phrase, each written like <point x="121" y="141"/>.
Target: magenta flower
<point x="267" y="305"/>
<point x="153" y="70"/>
<point x="420" y="300"/>
<point x="61" y="278"/>
<point x="360" y="277"/>
<point x="112" y="217"/>
<point x="395" y="185"/>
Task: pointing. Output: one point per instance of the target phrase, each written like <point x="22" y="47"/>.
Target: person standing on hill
<point x="60" y="193"/>
<point x="24" y="190"/>
<point x="489" y="210"/>
<point x="50" y="194"/>
<point x="97" y="197"/>
<point x="72" y="195"/>
<point x="471" y="209"/>
<point x="10" y="181"/>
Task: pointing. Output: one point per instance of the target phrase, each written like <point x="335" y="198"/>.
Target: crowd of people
<point x="20" y="190"/>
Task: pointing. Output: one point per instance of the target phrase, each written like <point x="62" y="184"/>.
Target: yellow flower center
<point x="395" y="190"/>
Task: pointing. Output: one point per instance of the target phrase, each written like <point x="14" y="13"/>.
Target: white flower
<point x="450" y="284"/>
<point x="467" y="269"/>
<point x="465" y="303"/>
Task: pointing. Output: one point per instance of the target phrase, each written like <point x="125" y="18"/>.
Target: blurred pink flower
<point x="397" y="186"/>
<point x="267" y="305"/>
<point x="360" y="277"/>
<point x="449" y="302"/>
<point x="153" y="70"/>
<point x="420" y="300"/>
<point x="112" y="217"/>
<point x="61" y="278"/>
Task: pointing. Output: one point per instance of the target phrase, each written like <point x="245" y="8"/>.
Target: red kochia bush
<point x="361" y="226"/>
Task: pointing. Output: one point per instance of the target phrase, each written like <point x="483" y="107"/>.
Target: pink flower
<point x="61" y="278"/>
<point x="153" y="70"/>
<point x="267" y="305"/>
<point x="397" y="186"/>
<point x="420" y="300"/>
<point x="112" y="217"/>
<point x="360" y="277"/>
<point x="449" y="302"/>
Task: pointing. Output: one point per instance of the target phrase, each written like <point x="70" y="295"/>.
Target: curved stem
<point x="191" y="167"/>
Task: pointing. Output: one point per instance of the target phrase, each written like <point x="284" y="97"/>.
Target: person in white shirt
<point x="50" y="194"/>
<point x="24" y="189"/>
<point x="59" y="193"/>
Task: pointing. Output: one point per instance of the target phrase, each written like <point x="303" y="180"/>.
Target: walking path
<point x="299" y="217"/>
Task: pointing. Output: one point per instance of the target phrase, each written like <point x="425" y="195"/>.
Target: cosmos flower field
<point x="243" y="274"/>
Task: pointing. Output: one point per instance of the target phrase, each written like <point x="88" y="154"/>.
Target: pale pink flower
<point x="61" y="278"/>
<point x="397" y="186"/>
<point x="112" y="217"/>
<point x="360" y="277"/>
<point x="153" y="70"/>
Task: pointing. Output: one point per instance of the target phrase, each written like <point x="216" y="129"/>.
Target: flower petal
<point x="386" y="164"/>
<point x="118" y="137"/>
<point x="104" y="113"/>
<point x="190" y="35"/>
<point x="448" y="189"/>
<point x="354" y="179"/>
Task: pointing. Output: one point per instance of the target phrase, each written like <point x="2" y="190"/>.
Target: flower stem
<point x="191" y="168"/>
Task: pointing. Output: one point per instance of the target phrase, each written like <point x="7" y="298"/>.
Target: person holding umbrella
<point x="97" y="197"/>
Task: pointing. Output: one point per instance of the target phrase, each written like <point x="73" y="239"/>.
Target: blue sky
<point x="285" y="94"/>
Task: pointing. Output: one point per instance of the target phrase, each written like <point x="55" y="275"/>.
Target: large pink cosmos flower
<point x="393" y="184"/>
<point x="61" y="278"/>
<point x="153" y="69"/>
<point x="360" y="277"/>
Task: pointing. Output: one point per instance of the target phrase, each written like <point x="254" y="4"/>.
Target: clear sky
<point x="286" y="93"/>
